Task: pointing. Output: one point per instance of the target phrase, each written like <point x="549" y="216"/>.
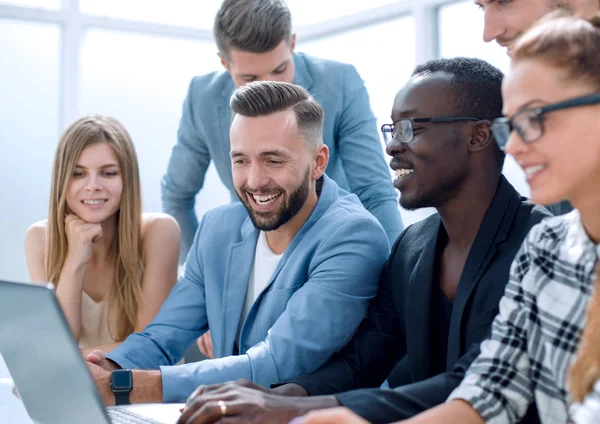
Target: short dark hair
<point x="262" y="98"/>
<point x="478" y="89"/>
<point x="256" y="26"/>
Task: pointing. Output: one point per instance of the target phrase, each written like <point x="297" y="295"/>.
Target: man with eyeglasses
<point x="440" y="288"/>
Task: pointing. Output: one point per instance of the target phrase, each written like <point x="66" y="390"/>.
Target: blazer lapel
<point x="235" y="284"/>
<point x="494" y="229"/>
<point x="419" y="308"/>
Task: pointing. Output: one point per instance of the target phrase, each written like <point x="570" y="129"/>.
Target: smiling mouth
<point x="94" y="202"/>
<point x="401" y="173"/>
<point x="264" y="199"/>
<point x="530" y="171"/>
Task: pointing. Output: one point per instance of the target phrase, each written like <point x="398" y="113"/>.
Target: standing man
<point x="505" y="22"/>
<point x="255" y="42"/>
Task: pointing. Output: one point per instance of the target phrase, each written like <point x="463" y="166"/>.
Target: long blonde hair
<point x="586" y="369"/>
<point x="125" y="292"/>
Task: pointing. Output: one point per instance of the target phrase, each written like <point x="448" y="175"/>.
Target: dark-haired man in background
<point x="441" y="286"/>
<point x="255" y="42"/>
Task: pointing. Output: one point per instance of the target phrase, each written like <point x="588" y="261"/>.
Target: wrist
<point x="74" y="265"/>
<point x="147" y="387"/>
<point x="297" y="406"/>
<point x="290" y="389"/>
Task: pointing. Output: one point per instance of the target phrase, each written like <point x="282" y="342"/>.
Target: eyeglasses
<point x="402" y="130"/>
<point x="529" y="122"/>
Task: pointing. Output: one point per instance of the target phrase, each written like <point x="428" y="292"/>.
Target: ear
<point x="293" y="42"/>
<point x="321" y="157"/>
<point x="223" y="61"/>
<point x="481" y="136"/>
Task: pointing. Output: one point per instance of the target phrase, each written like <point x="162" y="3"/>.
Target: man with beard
<point x="440" y="288"/>
<point x="283" y="278"/>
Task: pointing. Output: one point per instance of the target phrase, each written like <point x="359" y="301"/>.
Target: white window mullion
<point x="425" y="31"/>
<point x="70" y="60"/>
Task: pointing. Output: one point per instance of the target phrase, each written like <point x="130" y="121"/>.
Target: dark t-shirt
<point x="441" y="311"/>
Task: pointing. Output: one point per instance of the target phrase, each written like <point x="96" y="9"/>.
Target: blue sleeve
<point x="340" y="285"/>
<point x="187" y="167"/>
<point x="360" y="150"/>
<point x="181" y="320"/>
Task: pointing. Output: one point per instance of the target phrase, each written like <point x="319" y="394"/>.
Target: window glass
<point x="29" y="131"/>
<point x="142" y="81"/>
<point x="370" y="49"/>
<point x="457" y="39"/>
<point x="201" y="14"/>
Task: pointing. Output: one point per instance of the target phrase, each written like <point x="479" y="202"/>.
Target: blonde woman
<point x="112" y="265"/>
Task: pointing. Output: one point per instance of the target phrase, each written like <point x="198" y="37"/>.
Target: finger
<point x="220" y="389"/>
<point x="96" y="233"/>
<point x="95" y="357"/>
<point x="201" y="413"/>
<point x="209" y="346"/>
<point x="202" y="345"/>
<point x="198" y="392"/>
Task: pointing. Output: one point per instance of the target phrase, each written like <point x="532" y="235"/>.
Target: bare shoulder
<point x="159" y="227"/>
<point x="36" y="234"/>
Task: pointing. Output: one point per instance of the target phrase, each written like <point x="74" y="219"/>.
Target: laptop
<point x="48" y="369"/>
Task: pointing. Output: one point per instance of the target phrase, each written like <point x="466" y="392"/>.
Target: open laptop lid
<point x="44" y="359"/>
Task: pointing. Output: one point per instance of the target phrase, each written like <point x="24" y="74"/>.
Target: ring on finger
<point x="223" y="407"/>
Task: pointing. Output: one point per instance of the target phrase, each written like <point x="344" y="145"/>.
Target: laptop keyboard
<point x="126" y="416"/>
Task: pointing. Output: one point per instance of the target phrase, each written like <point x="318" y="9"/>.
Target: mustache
<point x="262" y="190"/>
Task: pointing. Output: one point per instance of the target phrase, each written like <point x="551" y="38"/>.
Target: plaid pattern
<point x="536" y="333"/>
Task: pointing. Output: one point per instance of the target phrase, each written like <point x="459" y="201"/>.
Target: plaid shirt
<point x="536" y="333"/>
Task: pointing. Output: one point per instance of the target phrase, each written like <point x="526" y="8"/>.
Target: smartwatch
<point x="121" y="384"/>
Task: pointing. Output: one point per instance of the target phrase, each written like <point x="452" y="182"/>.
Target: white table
<point x="12" y="410"/>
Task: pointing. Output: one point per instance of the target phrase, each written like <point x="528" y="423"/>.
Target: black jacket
<point x="396" y="330"/>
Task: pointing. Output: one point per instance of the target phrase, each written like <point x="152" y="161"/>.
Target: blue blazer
<point x="315" y="300"/>
<point x="356" y="160"/>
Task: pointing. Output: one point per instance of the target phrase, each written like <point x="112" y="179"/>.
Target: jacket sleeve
<point x="387" y="405"/>
<point x="340" y="286"/>
<point x="372" y="353"/>
<point x="185" y="174"/>
<point x="360" y="150"/>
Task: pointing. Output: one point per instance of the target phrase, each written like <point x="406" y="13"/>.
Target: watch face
<point x="121" y="380"/>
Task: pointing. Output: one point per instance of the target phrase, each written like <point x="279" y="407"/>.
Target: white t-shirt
<point x="265" y="262"/>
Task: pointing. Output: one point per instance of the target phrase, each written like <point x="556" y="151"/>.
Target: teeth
<point x="531" y="170"/>
<point x="265" y="200"/>
<point x="401" y="173"/>
<point x="93" y="202"/>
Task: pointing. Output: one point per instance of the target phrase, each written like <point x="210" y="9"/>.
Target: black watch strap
<point x="121" y="398"/>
